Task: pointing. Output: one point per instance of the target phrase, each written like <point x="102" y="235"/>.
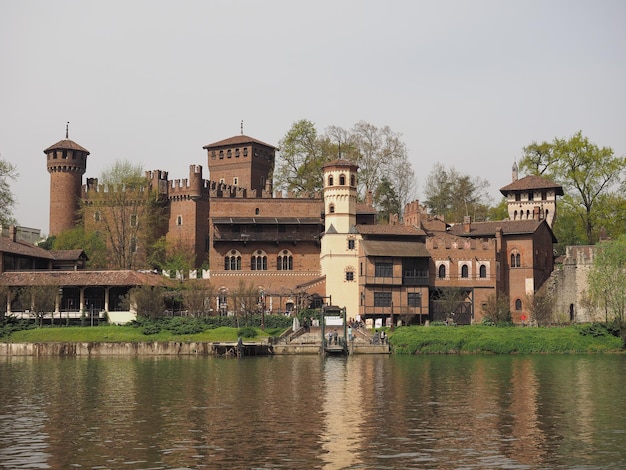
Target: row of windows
<point x="482" y="271"/>
<point x="532" y="196"/>
<point x="229" y="153"/>
<point x="383" y="299"/>
<point x="64" y="155"/>
<point x="342" y="180"/>
<point x="258" y="262"/>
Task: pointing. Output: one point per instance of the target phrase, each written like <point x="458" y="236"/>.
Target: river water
<point x="290" y="412"/>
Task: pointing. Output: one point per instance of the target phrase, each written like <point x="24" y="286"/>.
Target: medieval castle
<point x="328" y="246"/>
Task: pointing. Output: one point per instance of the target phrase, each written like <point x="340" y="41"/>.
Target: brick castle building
<point x="295" y="250"/>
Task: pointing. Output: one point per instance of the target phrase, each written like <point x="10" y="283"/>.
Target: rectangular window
<point x="414" y="299"/>
<point x="351" y="244"/>
<point x="382" y="299"/>
<point x="349" y="276"/>
<point x="383" y="270"/>
<point x="133" y="220"/>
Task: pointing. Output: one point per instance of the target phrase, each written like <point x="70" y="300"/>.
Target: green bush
<point x="151" y="329"/>
<point x="247" y="332"/>
<point x="11" y="325"/>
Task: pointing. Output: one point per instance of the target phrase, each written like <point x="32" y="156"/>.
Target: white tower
<point x="339" y="248"/>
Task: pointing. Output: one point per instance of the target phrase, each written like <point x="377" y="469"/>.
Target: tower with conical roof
<point x="67" y="163"/>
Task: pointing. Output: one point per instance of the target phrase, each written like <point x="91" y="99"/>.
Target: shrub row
<point x="192" y="325"/>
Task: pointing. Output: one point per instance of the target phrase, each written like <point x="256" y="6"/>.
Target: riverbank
<point x="479" y="339"/>
<point x="476" y="339"/>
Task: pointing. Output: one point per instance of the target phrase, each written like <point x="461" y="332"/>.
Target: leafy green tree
<point x="607" y="280"/>
<point x="7" y="200"/>
<point x="379" y="152"/>
<point x="567" y="229"/>
<point x="586" y="172"/>
<point x="454" y="195"/>
<point x="386" y="201"/>
<point x="171" y="257"/>
<point x="77" y="239"/>
<point x="302" y="154"/>
<point x="500" y="211"/>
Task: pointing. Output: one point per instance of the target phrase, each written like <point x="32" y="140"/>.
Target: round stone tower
<point x="67" y="163"/>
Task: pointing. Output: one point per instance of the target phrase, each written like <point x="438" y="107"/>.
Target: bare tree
<point x="42" y="300"/>
<point x="540" y="308"/>
<point x="497" y="308"/>
<point x="197" y="297"/>
<point x="126" y="210"/>
<point x="7" y="201"/>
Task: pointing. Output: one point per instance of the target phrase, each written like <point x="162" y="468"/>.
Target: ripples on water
<point x="360" y="412"/>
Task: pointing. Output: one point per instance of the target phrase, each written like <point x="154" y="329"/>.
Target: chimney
<point x="13" y="233"/>
<point x="369" y="199"/>
<point x="467" y="224"/>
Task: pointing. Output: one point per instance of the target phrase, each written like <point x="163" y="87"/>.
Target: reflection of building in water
<point x="341" y="434"/>
<point x="525" y="426"/>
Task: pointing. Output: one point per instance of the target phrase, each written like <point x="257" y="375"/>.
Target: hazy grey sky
<point x="466" y="83"/>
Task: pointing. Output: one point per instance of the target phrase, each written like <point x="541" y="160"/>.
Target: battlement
<point x="453" y="243"/>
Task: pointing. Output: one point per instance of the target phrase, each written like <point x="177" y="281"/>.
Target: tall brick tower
<point x="67" y="163"/>
<point x="241" y="161"/>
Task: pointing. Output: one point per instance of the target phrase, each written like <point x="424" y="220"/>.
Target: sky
<point x="466" y="84"/>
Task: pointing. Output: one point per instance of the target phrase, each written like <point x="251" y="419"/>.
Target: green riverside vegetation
<point x="481" y="339"/>
<point x="476" y="339"/>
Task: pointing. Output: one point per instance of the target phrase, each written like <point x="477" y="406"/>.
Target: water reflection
<point x="360" y="412"/>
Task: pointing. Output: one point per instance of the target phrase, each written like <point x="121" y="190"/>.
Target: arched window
<point x="352" y="180"/>
<point x="515" y="260"/>
<point x="285" y="261"/>
<point x="232" y="261"/>
<point x="464" y="271"/>
<point x="342" y="180"/>
<point x="257" y="211"/>
<point x="330" y="180"/>
<point x="331" y="209"/>
<point x="442" y="271"/>
<point x="482" y="272"/>
<point x="518" y="304"/>
<point x="259" y="261"/>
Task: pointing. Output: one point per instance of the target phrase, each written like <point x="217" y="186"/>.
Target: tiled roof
<point x="66" y="144"/>
<point x="389" y="230"/>
<point x="82" y="278"/>
<point x="532" y="182"/>
<point x="236" y="140"/>
<point x="341" y="162"/>
<point x="362" y="208"/>
<point x="488" y="229"/>
<point x="24" y="249"/>
<point x="68" y="255"/>
<point x="394" y="248"/>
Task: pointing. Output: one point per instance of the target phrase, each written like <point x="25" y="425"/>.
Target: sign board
<point x="333" y="321"/>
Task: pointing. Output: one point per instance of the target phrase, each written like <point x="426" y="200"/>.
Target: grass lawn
<point x="496" y="340"/>
<point x="120" y="334"/>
